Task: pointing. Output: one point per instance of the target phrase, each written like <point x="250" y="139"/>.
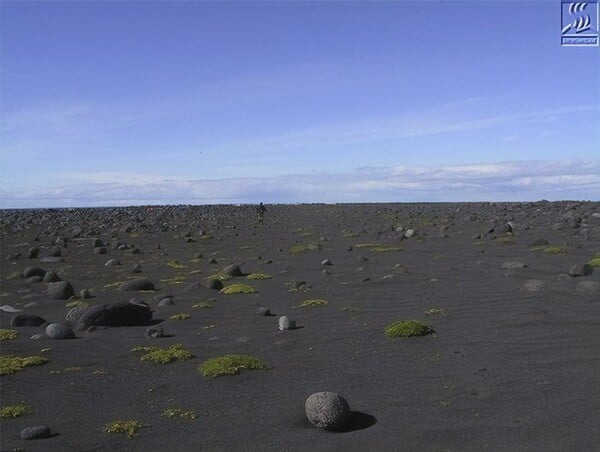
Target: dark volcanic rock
<point x="99" y="250"/>
<point x="233" y="270"/>
<point x="36" y="432"/>
<point x="327" y="410"/>
<point x="263" y="311"/>
<point x="581" y="270"/>
<point x="61" y="290"/>
<point x="153" y="333"/>
<point x="33" y="252"/>
<point x="123" y="313"/>
<point x="33" y="271"/>
<point x="137" y="284"/>
<point x="75" y="314"/>
<point x="213" y="283"/>
<point x="50" y="277"/>
<point x="26" y="320"/>
<point x="112" y="262"/>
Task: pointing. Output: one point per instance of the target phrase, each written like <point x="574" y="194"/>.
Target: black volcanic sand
<point x="507" y="369"/>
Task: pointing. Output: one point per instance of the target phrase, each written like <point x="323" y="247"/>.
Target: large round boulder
<point x="60" y="331"/>
<point x="327" y="410"/>
<point x="124" y="313"/>
<point x="26" y="320"/>
<point x="33" y="271"/>
<point x="61" y="290"/>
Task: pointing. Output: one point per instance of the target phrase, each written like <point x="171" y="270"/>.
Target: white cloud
<point x="516" y="180"/>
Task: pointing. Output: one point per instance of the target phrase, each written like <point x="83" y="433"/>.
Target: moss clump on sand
<point x="175" y="280"/>
<point x="435" y="311"/>
<point x="203" y="305"/>
<point x="130" y="427"/>
<point x="8" y="335"/>
<point x="408" y="328"/>
<point x="230" y="365"/>
<point x="12" y="411"/>
<point x="505" y="239"/>
<point x="350" y="234"/>
<point x="385" y="249"/>
<point x="254" y="276"/>
<point x="10" y="364"/>
<point x="180" y="316"/>
<point x="238" y="288"/>
<point x="297" y="249"/>
<point x="594" y="262"/>
<point x="368" y="245"/>
<point x="355" y="309"/>
<point x="220" y="276"/>
<point x="313" y="303"/>
<point x="175" y="264"/>
<point x="76" y="304"/>
<point x="553" y="249"/>
<point x="178" y="412"/>
<point x="175" y="352"/>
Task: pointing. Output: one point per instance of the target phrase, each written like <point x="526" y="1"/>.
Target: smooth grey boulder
<point x="327" y="410"/>
<point x="36" y="432"/>
<point x="286" y="324"/>
<point x="166" y="301"/>
<point x="326" y="262"/>
<point x="61" y="290"/>
<point x="50" y="277"/>
<point x="233" y="270"/>
<point x="137" y="284"/>
<point x="84" y="294"/>
<point x="124" y="313"/>
<point x="60" y="331"/>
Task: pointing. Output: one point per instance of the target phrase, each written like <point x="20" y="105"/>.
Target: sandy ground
<point x="508" y="369"/>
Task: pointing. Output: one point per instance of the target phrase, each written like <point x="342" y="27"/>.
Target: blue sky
<point x="119" y="103"/>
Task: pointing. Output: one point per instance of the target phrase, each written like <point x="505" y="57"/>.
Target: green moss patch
<point x="297" y="249"/>
<point x="174" y="281"/>
<point x="178" y="412"/>
<point x="595" y="262"/>
<point x="12" y="411"/>
<point x="350" y="234"/>
<point x="76" y="304"/>
<point x="8" y="335"/>
<point x="385" y="249"/>
<point x="314" y="303"/>
<point x="203" y="305"/>
<point x="230" y="365"/>
<point x="367" y="245"/>
<point x="180" y="316"/>
<point x="10" y="364"/>
<point x="254" y="276"/>
<point x="175" y="264"/>
<point x="238" y="288"/>
<point x="550" y="249"/>
<point x="130" y="427"/>
<point x="175" y="352"/>
<point x="408" y="328"/>
<point x="220" y="276"/>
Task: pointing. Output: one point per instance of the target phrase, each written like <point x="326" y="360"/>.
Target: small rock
<point x="37" y="432"/>
<point x="581" y="270"/>
<point x="33" y="271"/>
<point x="59" y="331"/>
<point x="263" y="311"/>
<point x="112" y="262"/>
<point x="212" y="260"/>
<point x="326" y="262"/>
<point x="153" y="333"/>
<point x="286" y="324"/>
<point x="84" y="294"/>
<point x="137" y="268"/>
<point x="99" y="250"/>
<point x="213" y="283"/>
<point x="233" y="270"/>
<point x="50" y="277"/>
<point x="166" y="301"/>
<point x="137" y="284"/>
<point x="98" y="243"/>
<point x="410" y="233"/>
<point x="33" y="252"/>
<point x="327" y="410"/>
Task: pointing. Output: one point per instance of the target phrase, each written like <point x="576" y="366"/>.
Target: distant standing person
<point x="260" y="210"/>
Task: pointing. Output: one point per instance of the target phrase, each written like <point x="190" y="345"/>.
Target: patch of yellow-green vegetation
<point x="193" y="272"/>
<point x="306" y="234"/>
<point x="554" y="250"/>
<point x="367" y="245"/>
<point x="114" y="285"/>
<point x="313" y="303"/>
<point x="350" y="234"/>
<point x="178" y="412"/>
<point x="8" y="335"/>
<point x="297" y="249"/>
<point x="355" y="309"/>
<point x="175" y="264"/>
<point x="230" y="365"/>
<point x="203" y="305"/>
<point x="247" y="247"/>
<point x="206" y="237"/>
<point x="220" y="276"/>
<point x="174" y="281"/>
<point x="175" y="352"/>
<point x="14" y="275"/>
<point x="12" y="411"/>
<point x="195" y="260"/>
<point x="76" y="304"/>
<point x="10" y="364"/>
<point x="594" y="262"/>
<point x="180" y="316"/>
<point x="408" y="328"/>
<point x="506" y="239"/>
<point x="73" y="369"/>
<point x="435" y="311"/>
<point x="258" y="276"/>
<point x="385" y="249"/>
<point x="130" y="427"/>
<point x="238" y="288"/>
